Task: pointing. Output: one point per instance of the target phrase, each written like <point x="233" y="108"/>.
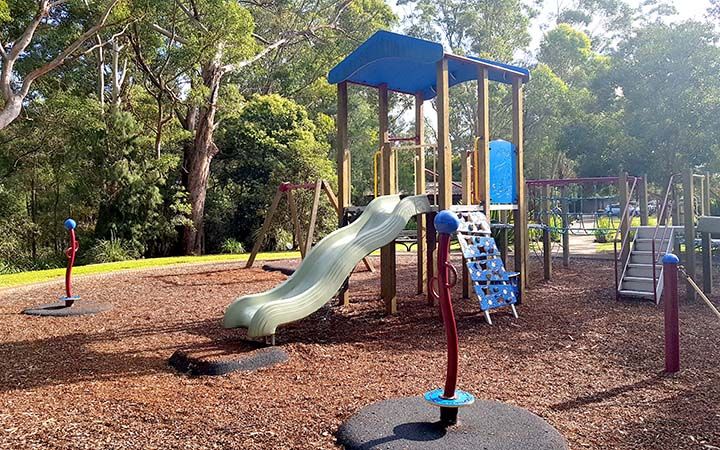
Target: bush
<point x="112" y="250"/>
<point x="232" y="246"/>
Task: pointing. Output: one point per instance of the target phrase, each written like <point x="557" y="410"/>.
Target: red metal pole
<point x="448" y="316"/>
<point x="70" y="252"/>
<point x="672" y="324"/>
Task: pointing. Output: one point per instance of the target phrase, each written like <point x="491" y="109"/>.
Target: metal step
<point x="645" y="285"/>
<point x="629" y="293"/>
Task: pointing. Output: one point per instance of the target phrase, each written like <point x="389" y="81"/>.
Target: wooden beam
<point x="265" y="228"/>
<point x="689" y="213"/>
<point x="566" y="226"/>
<point x="643" y="194"/>
<point x="706" y="239"/>
<point x="343" y="168"/>
<point x="547" y="241"/>
<point x="420" y="189"/>
<point x="387" y="253"/>
<point x="313" y="216"/>
<point x="482" y="134"/>
<point x="466" y="171"/>
<point x="443" y="145"/>
<point x="431" y="239"/>
<point x="296" y="222"/>
<point x="518" y="139"/>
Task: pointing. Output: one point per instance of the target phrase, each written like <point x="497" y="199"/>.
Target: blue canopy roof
<point x="408" y="65"/>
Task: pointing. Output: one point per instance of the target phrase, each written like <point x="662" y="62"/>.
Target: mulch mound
<point x="587" y="364"/>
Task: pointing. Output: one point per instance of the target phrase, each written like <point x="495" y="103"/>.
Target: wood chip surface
<point x="591" y="366"/>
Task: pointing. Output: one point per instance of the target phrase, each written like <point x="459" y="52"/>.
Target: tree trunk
<point x="197" y="159"/>
<point x="10" y="111"/>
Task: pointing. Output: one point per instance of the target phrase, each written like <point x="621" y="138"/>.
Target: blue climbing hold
<point x="70" y="224"/>
<point x="670" y="258"/>
<point x="446" y="222"/>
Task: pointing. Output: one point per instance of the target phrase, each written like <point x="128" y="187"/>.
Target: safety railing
<point x="624" y="252"/>
<point x="378" y="155"/>
<point x="661" y="220"/>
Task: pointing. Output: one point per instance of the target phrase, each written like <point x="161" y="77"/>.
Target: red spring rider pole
<point x="70" y="252"/>
<point x="670" y="304"/>
<point x="450" y="398"/>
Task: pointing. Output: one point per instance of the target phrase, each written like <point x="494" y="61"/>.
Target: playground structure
<point x="391" y="62"/>
<point x="70" y="252"/>
<point x="637" y="254"/>
<point x="287" y="189"/>
<point x="553" y="206"/>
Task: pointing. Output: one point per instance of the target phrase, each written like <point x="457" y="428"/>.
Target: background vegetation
<point x="164" y="126"/>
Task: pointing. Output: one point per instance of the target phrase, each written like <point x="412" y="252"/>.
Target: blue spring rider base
<point x="461" y="398"/>
<point x="69" y="300"/>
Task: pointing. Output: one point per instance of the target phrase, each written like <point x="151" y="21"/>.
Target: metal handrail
<point x="660" y="220"/>
<point x="625" y="216"/>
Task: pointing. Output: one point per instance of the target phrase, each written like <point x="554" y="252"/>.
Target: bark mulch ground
<point x="589" y="365"/>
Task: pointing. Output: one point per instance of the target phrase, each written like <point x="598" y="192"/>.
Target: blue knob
<point x="446" y="222"/>
<point x="670" y="258"/>
<point x="70" y="224"/>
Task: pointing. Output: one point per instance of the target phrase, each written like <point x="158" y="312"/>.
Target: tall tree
<point x="54" y="23"/>
<point x="189" y="50"/>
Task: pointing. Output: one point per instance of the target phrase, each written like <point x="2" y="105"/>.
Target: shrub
<point x="232" y="246"/>
<point x="111" y="250"/>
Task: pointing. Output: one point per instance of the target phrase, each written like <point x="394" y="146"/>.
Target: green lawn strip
<point x="38" y="276"/>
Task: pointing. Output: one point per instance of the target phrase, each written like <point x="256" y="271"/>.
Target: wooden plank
<point x="296" y="222"/>
<point x="420" y="189"/>
<point x="521" y="231"/>
<point x="387" y="253"/>
<point x="331" y="196"/>
<point x="643" y="195"/>
<point x="465" y="175"/>
<point x="313" y="216"/>
<point x="547" y="242"/>
<point x="343" y="168"/>
<point x="444" y="151"/>
<point x="566" y="225"/>
<point x="431" y="239"/>
<point x="503" y="238"/>
<point x="482" y="157"/>
<point x="707" y="262"/>
<point x="689" y="222"/>
<point x="265" y="228"/>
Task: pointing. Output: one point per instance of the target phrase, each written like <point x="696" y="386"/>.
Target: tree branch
<point x="169" y="34"/>
<point x="68" y="52"/>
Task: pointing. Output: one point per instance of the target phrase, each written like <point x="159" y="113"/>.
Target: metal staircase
<point x="637" y="260"/>
<point x="641" y="278"/>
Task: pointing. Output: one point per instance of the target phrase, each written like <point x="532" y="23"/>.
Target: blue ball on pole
<point x="446" y="222"/>
<point x="670" y="258"/>
<point x="70" y="224"/>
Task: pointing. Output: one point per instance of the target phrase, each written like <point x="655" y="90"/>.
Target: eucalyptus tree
<point x="189" y="50"/>
<point x="39" y="36"/>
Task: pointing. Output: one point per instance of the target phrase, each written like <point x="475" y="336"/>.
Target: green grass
<point x="37" y="276"/>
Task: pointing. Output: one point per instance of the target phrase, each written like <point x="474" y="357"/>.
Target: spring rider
<point x="70" y="252"/>
<point x="408" y="422"/>
<point x="64" y="307"/>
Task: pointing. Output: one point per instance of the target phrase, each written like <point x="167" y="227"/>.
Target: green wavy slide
<point x="325" y="267"/>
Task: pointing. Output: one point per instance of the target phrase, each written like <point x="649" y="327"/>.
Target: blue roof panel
<point x="408" y="65"/>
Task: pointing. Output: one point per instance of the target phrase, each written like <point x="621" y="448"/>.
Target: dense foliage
<point x="165" y="126"/>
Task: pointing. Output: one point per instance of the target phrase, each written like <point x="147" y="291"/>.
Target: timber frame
<point x="385" y="62"/>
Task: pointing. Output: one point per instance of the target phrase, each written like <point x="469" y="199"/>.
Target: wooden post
<point x="521" y="231"/>
<point x="296" y="222"/>
<point x="419" y="190"/>
<point x="707" y="239"/>
<point x="443" y="123"/>
<point x="387" y="253"/>
<point x="565" y="207"/>
<point x="482" y="134"/>
<point x="313" y="216"/>
<point x="676" y="217"/>
<point x="466" y="171"/>
<point x="547" y="241"/>
<point x="343" y="168"/>
<point x="670" y="307"/>
<point x="643" y="194"/>
<point x="503" y="243"/>
<point x="431" y="239"/>
<point x="689" y="222"/>
<point x="265" y="228"/>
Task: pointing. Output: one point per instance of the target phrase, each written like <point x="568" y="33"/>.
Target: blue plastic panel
<point x="503" y="173"/>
